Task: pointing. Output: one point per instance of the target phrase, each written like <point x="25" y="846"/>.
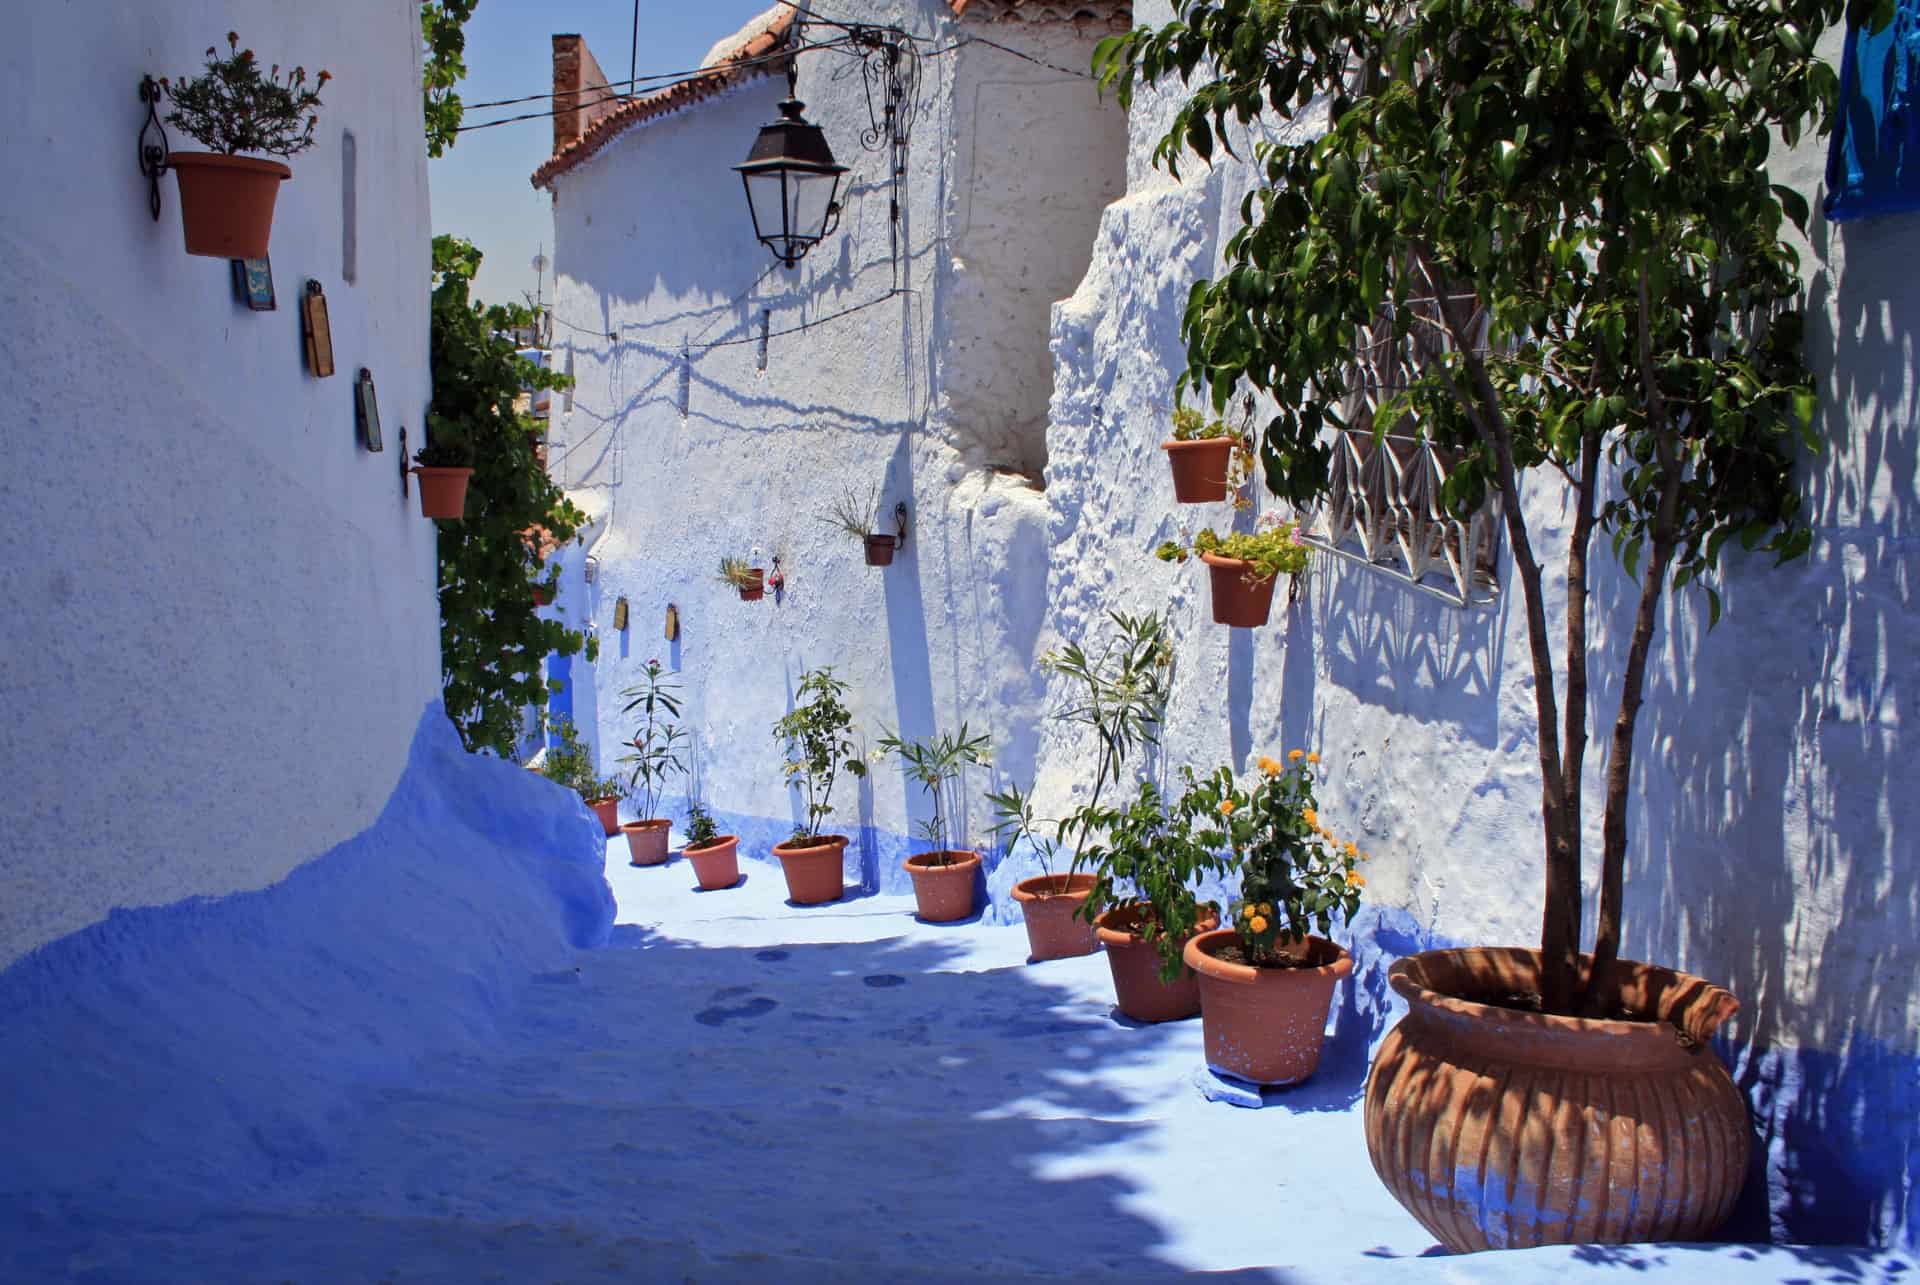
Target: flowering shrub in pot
<point x="817" y="734"/>
<point x="1244" y="567"/>
<point x="654" y="758"/>
<point x="942" y="877"/>
<point x="227" y="199"/>
<point x="1266" y="980"/>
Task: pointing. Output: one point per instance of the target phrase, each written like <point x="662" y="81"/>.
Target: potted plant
<point x="942" y="877"/>
<point x="655" y="757"/>
<point x="544" y="591"/>
<point x="1143" y="904"/>
<point x="226" y="199"/>
<point x="1120" y="693"/>
<point x="1208" y="459"/>
<point x="714" y="856"/>
<point x="818" y="740"/>
<point x="444" y="466"/>
<point x="1267" y="980"/>
<point x="1609" y="338"/>
<point x="853" y="514"/>
<point x="750" y="581"/>
<point x="1244" y="566"/>
<point x="571" y="764"/>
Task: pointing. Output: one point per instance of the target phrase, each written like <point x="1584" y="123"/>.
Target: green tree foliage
<point x="492" y="645"/>
<point x="443" y="65"/>
<point x="1561" y="213"/>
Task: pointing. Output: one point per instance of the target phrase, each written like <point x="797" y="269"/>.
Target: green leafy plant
<point x="701" y="831"/>
<point x="1120" y="693"/>
<point x="937" y="764"/>
<point x="233" y="108"/>
<point x="493" y="644"/>
<point x="1149" y="862"/>
<point x="1295" y="877"/>
<point x="443" y="64"/>
<point x="852" y="512"/>
<point x="1559" y="218"/>
<point x="1190" y="425"/>
<point x="736" y="572"/>
<point x="817" y="736"/>
<point x="657" y="744"/>
<point x="1271" y="551"/>
<point x="570" y="763"/>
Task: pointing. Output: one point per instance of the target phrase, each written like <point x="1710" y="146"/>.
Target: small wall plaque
<point x="253" y="283"/>
<point x="366" y="411"/>
<point x="317" y="332"/>
<point x="620" y="614"/>
<point x="673" y="623"/>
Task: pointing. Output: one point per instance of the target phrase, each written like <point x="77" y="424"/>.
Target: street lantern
<point x="792" y="181"/>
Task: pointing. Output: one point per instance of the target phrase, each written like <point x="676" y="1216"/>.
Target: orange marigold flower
<point x="1226" y="807"/>
<point x="1313" y="758"/>
<point x="1258" y="923"/>
<point x="1355" y="879"/>
<point x="1294" y="756"/>
<point x="1311" y="817"/>
<point x="1268" y="766"/>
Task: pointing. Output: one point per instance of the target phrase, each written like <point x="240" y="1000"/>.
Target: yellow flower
<point x="1226" y="807"/>
<point x="1258" y="924"/>
<point x="1266" y="907"/>
<point x="1311" y="817"/>
<point x="1294" y="756"/>
<point x="1268" y="766"/>
<point x="1353" y="849"/>
<point x="1313" y="758"/>
<point x="1355" y="879"/>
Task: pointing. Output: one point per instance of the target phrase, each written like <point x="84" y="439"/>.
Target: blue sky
<point x="480" y="188"/>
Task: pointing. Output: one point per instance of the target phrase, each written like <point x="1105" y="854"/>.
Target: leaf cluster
<point x="818" y="739"/>
<point x="1190" y="425"/>
<point x="937" y="764"/>
<point x="570" y="763"/>
<point x="1148" y="859"/>
<point x="735" y="572"/>
<point x="657" y="745"/>
<point x="233" y="107"/>
<point x="701" y="831"/>
<point x="1270" y="551"/>
<point x="493" y="644"/>
<point x="443" y="65"/>
<point x="852" y="512"/>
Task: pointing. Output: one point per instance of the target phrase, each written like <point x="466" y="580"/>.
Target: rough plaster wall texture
<point x="223" y="608"/>
<point x="947" y="632"/>
<point x="1771" y="828"/>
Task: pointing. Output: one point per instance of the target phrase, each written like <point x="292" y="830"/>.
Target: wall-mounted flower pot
<point x="1200" y="469"/>
<point x="608" y="810"/>
<point x="880" y="550"/>
<point x="943" y="893"/>
<point x="1137" y="989"/>
<point x="1265" y="1024"/>
<point x="646" y="841"/>
<point x="443" y="491"/>
<point x="1503" y="1128"/>
<point x="1238" y="599"/>
<point x="813" y="870"/>
<point x="717" y="865"/>
<point x="226" y="202"/>
<point x="756" y="587"/>
<point x="543" y="595"/>
<point x="1049" y="903"/>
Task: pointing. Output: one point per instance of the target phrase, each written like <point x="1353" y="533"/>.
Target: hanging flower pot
<point x="1049" y="903"/>
<point x="1200" y="469"/>
<point x="443" y="491"/>
<point x="1138" y="989"/>
<point x="880" y="550"/>
<point x="1265" y="1024"/>
<point x="542" y="594"/>
<point x="1239" y="599"/>
<point x="646" y="841"/>
<point x="1499" y="1127"/>
<point x="813" y="868"/>
<point x="754" y="587"/>
<point x="943" y="884"/>
<point x="226" y="202"/>
<point x="717" y="864"/>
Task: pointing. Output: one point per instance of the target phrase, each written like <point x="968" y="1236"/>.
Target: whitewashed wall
<point x="221" y="631"/>
<point x="1775" y="829"/>
<point x="917" y="395"/>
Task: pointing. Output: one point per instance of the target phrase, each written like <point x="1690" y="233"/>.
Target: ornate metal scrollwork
<point x="153" y="153"/>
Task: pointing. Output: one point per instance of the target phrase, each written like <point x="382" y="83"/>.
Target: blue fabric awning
<point x="1874" y="165"/>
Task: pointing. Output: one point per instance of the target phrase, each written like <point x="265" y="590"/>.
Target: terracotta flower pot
<point x="542" y="594"/>
<point x="1049" y="903"/>
<point x="717" y="865"/>
<point x="1137" y="988"/>
<point x="756" y="586"/>
<point x="880" y="550"/>
<point x="1500" y="1129"/>
<point x="608" y="810"/>
<point x="944" y="893"/>
<point x="1238" y="600"/>
<point x="1265" y="1024"/>
<point x="226" y="202"/>
<point x="813" y="870"/>
<point x="647" y="841"/>
<point x="443" y="491"/>
<point x="1200" y="469"/>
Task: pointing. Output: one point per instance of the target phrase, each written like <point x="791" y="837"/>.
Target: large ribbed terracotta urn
<point x="1501" y="1129"/>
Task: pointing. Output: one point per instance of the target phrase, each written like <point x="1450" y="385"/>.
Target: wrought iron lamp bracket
<point x="900" y="524"/>
<point x="153" y="155"/>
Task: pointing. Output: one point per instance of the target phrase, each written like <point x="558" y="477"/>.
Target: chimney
<point x="580" y="93"/>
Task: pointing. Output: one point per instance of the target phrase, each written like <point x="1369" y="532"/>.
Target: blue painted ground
<point x="415" y="1061"/>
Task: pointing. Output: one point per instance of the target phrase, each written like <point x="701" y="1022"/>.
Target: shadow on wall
<point x="1776" y="797"/>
